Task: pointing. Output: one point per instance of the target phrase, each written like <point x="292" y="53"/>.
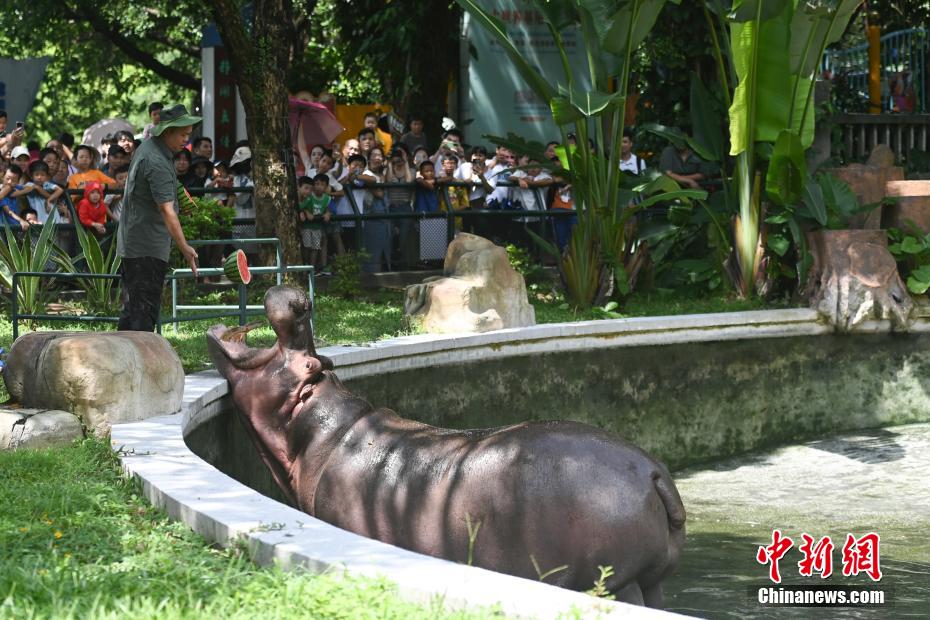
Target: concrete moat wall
<point x="685" y="403"/>
<point x="687" y="389"/>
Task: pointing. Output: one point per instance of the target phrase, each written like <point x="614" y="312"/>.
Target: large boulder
<point x="36" y="429"/>
<point x="479" y="291"/>
<point x="103" y="378"/>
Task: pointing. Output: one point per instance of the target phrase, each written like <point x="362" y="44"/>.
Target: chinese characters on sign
<point x="860" y="555"/>
<point x="224" y="109"/>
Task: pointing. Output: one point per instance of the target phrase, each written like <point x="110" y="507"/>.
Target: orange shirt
<point x="79" y="179"/>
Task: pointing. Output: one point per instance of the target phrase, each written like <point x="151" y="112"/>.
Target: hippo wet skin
<point x="540" y="495"/>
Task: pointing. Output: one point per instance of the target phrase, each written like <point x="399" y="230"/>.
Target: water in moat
<point x="870" y="481"/>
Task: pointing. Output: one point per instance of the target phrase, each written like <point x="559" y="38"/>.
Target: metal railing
<point x="902" y="133"/>
<point x="903" y="55"/>
<point x="242" y="309"/>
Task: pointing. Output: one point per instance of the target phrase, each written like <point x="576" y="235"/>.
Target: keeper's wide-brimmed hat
<point x="175" y="116"/>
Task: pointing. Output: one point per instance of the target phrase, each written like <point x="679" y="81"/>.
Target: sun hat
<point x="175" y="116"/>
<point x="242" y="153"/>
<point x="19" y="151"/>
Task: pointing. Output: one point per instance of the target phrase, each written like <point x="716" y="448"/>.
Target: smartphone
<point x="19" y="125"/>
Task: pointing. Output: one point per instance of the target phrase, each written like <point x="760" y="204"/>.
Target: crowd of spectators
<point x="373" y="173"/>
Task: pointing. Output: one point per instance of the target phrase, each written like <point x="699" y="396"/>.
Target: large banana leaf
<point x="613" y="22"/>
<point x="749" y="10"/>
<point x="760" y="109"/>
<point x="705" y="121"/>
<point x="815" y="25"/>
<point x="578" y="104"/>
<point x="787" y="170"/>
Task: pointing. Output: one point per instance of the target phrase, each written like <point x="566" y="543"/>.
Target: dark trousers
<point x="143" y="280"/>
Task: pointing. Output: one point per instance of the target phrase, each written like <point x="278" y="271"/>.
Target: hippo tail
<point x="670" y="498"/>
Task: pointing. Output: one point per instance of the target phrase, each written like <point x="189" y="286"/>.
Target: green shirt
<point x="152" y="181"/>
<point x="316" y="206"/>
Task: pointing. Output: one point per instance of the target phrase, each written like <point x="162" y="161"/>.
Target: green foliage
<point x="87" y="545"/>
<point x="911" y="250"/>
<point x="27" y="255"/>
<point x="598" y="253"/>
<point x="98" y="49"/>
<point x="100" y="298"/>
<point x="209" y="219"/>
<point x="524" y="264"/>
<point x="328" y="62"/>
<point x="347" y="275"/>
<point x="411" y="47"/>
<point x="600" y="585"/>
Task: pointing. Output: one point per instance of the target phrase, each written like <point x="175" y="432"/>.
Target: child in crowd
<point x="8" y="202"/>
<point x="332" y="230"/>
<point x="432" y="231"/>
<point x="21" y="192"/>
<point x="304" y="189"/>
<point x="400" y="200"/>
<point x="42" y="194"/>
<point x="314" y="214"/>
<point x="222" y="179"/>
<point x="91" y="210"/>
<point x="354" y="200"/>
<point x="86" y="173"/>
<point x="114" y="202"/>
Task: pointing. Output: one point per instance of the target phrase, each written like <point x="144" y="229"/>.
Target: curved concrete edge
<point x="221" y="509"/>
<point x="426" y="350"/>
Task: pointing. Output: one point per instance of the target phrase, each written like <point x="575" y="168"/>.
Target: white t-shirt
<point x="37" y="203"/>
<point x="633" y="165"/>
<point x="529" y="198"/>
<point x="494" y="176"/>
<point x="466" y="173"/>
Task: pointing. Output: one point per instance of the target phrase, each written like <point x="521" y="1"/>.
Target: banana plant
<point x="774" y="50"/>
<point x="595" y="263"/>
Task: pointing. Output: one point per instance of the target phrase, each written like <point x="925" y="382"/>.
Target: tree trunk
<point x="260" y="59"/>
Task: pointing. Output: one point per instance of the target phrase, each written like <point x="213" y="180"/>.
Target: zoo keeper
<point x="150" y="220"/>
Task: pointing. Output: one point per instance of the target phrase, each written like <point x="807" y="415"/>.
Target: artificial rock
<point x="479" y="291"/>
<point x="103" y="378"/>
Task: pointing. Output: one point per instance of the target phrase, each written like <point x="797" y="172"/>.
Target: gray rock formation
<point x="36" y="429"/>
<point x="103" y="378"/>
<point x="478" y="292"/>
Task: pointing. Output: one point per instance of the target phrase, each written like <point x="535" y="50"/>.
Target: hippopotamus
<point x="561" y="498"/>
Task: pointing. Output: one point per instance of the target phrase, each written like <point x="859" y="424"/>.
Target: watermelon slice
<point x="236" y="268"/>
<point x="185" y="200"/>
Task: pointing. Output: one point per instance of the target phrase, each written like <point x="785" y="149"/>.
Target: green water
<point x="872" y="481"/>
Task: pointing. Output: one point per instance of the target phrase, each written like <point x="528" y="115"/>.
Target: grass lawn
<point x="78" y="541"/>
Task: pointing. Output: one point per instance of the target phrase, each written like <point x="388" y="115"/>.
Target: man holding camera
<point x="12" y="139"/>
